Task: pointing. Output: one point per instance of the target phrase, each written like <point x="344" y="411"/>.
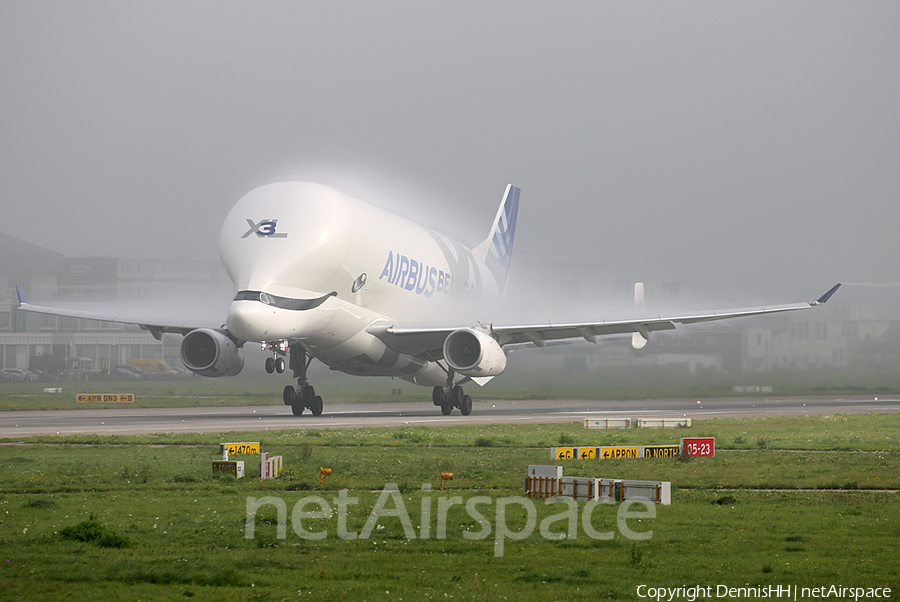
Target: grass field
<point x="785" y="501"/>
<point x="252" y="388"/>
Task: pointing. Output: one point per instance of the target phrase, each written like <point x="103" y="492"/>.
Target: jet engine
<point x="473" y="352"/>
<point x="210" y="353"/>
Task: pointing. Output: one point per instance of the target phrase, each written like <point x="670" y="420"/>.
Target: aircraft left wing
<point x="156" y="326"/>
<point x="429" y="342"/>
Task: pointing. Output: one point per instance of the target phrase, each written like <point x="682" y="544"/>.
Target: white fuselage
<point x="301" y="241"/>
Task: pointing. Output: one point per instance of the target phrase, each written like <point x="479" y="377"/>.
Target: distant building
<point x="857" y="327"/>
<point x="87" y="345"/>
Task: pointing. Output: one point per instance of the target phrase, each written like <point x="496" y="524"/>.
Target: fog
<point x="751" y="146"/>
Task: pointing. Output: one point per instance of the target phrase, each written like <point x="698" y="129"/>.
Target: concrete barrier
<point x="607" y="423"/>
<point x="656" y="491"/>
<point x="543" y="481"/>
<point x="548" y="481"/>
<point x="655" y="423"/>
<point x="581" y="489"/>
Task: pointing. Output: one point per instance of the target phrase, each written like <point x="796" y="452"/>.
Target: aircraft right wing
<point x="429" y="341"/>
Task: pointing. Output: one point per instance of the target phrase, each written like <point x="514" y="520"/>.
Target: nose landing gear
<point x="275" y="364"/>
<point x="279" y="349"/>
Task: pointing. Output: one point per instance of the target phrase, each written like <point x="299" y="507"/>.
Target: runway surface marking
<point x="100" y="421"/>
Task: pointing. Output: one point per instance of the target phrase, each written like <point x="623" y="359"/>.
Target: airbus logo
<point x="264" y="229"/>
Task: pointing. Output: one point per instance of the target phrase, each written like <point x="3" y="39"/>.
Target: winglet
<point x="22" y="299"/>
<point x="824" y="298"/>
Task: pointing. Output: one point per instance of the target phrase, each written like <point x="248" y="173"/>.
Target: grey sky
<point x="755" y="144"/>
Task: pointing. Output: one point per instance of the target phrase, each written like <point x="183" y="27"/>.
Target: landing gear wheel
<point x="456" y="396"/>
<point x="290" y="399"/>
<point x="270" y="365"/>
<point x="279" y="365"/>
<point x="466" y="406"/>
<point x="441" y="399"/>
<point x="307" y="394"/>
<point x="316" y="406"/>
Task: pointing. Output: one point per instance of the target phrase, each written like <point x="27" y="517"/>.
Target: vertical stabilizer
<point x="496" y="249"/>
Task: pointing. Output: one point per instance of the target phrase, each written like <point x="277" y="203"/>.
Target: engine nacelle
<point x="210" y="353"/>
<point x="473" y="352"/>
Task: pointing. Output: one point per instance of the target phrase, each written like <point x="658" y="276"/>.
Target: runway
<point x="119" y="420"/>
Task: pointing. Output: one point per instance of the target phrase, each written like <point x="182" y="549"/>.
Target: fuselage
<point x="317" y="267"/>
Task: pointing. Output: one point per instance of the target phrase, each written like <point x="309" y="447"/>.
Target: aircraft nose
<point x="257" y="316"/>
<point x="251" y="320"/>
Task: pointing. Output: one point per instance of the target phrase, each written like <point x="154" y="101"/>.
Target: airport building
<point x="859" y="327"/>
<point x="82" y="346"/>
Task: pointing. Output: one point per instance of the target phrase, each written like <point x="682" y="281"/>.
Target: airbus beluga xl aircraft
<point x="322" y="275"/>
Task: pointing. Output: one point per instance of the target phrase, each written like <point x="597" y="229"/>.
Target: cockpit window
<point x="247" y="296"/>
<point x="283" y="302"/>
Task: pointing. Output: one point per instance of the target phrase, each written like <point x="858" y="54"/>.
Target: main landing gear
<point x="305" y="397"/>
<point x="450" y="397"/>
